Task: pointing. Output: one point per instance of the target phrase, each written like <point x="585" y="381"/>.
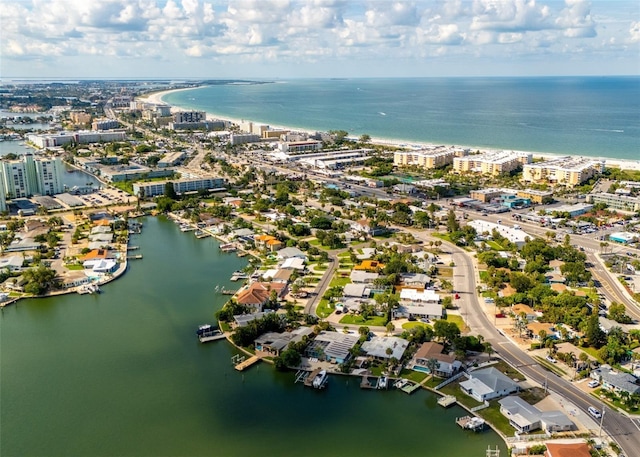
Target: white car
<point x="594" y="412"/>
<point x="550" y="359"/>
<point x="593" y="384"/>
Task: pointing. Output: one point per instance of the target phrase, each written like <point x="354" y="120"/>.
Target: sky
<point x="253" y="39"/>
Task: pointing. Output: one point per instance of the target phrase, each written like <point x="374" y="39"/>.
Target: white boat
<point x="320" y="379"/>
<point x="382" y="382"/>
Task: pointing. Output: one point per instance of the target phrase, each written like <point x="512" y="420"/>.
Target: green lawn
<point x="74" y="267"/>
<point x="458" y="321"/>
<point x="314" y="242"/>
<point x="346" y="254"/>
<point x="494" y="245"/>
<point x="508" y="370"/>
<point x="338" y="281"/>
<point x="484" y="275"/>
<point x="493" y="415"/>
<point x="593" y="352"/>
<point x="415" y="376"/>
<point x="410" y="325"/>
<point x="358" y="320"/>
<point x="324" y="308"/>
<point x="454" y="389"/>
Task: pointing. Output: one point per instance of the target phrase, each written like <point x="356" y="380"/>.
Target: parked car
<point x="593" y="384"/>
<point x="595" y="412"/>
<point x="551" y="359"/>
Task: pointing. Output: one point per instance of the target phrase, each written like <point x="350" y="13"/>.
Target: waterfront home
<point x="101" y="238"/>
<point x="15" y="284"/>
<point x="98" y="254"/>
<point x="447" y="364"/>
<point x="274" y="343"/>
<point x="363" y="277"/>
<point x="268" y="242"/>
<point x="99" y="267"/>
<point x="385" y="347"/>
<point x="616" y="381"/>
<point x="243" y="233"/>
<point x="100" y="229"/>
<point x="242" y="320"/>
<point x="567" y="450"/>
<point x="332" y="346"/>
<point x="257" y="294"/>
<point x="526" y="418"/>
<point x="488" y="383"/>
<point x="293" y="263"/>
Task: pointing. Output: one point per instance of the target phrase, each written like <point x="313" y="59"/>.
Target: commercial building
<point x="300" y="146"/>
<point x="563" y="171"/>
<point x="615" y="201"/>
<point x="432" y="157"/>
<point x="172" y="159"/>
<point x="80" y="117"/>
<point x="514" y="235"/>
<point x="243" y="138"/>
<point x="536" y="196"/>
<point x="492" y="163"/>
<point x="574" y="210"/>
<point x="489" y="194"/>
<point x="624" y="237"/>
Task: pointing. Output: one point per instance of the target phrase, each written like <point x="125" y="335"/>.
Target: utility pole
<point x="601" y="420"/>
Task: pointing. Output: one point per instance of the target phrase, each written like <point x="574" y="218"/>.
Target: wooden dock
<point x="410" y="387"/>
<point x="227" y="292"/>
<point x="247" y="363"/>
<point x="366" y="384"/>
<point x="134" y="257"/>
<point x="447" y="401"/>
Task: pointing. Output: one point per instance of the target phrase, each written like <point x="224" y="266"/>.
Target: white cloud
<point x="314" y="32"/>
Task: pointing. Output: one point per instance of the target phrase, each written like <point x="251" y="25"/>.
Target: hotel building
<point x="491" y="163"/>
<point x="564" y="171"/>
<point x="615" y="201"/>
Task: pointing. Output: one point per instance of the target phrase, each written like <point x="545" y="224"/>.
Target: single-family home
<point x="242" y="320"/>
<point x="418" y="280"/>
<point x="274" y="343"/>
<point x="529" y="314"/>
<point x="616" y="381"/>
<point x="291" y="252"/>
<point x="367" y="226"/>
<point x="385" y="347"/>
<point x="12" y="263"/>
<point x="332" y="346"/>
<point x="294" y="263"/>
<point x="420" y="310"/>
<point x="534" y="329"/>
<point x="257" y="294"/>
<point x="363" y="277"/>
<point x="369" y="265"/>
<point x="425" y="296"/>
<point x="99" y="266"/>
<point x="268" y="242"/>
<point x="488" y="383"/>
<point x="526" y="418"/>
<point x="355" y="290"/>
<point x="447" y="364"/>
<point x="567" y="450"/>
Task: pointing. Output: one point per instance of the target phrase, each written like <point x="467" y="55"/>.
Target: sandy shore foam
<point x="156" y="99"/>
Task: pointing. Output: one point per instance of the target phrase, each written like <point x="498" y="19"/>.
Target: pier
<point x="447" y="401"/>
<point x="471" y="423"/>
<point x="213" y="335"/>
<point x="317" y="379"/>
<point x="247" y="363"/>
<point x="366" y="384"/>
<point x="227" y="292"/>
<point x="134" y="257"/>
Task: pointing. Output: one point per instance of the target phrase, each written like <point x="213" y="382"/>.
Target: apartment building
<point x="105" y="124"/>
<point x="299" y="146"/>
<point x="615" y="201"/>
<point x="29" y="176"/>
<point x="189" y="116"/>
<point x="491" y="163"/>
<point x="435" y="157"/>
<point x="563" y="171"/>
<point x="536" y="196"/>
<point x="82" y="136"/>
<point x="180" y="186"/>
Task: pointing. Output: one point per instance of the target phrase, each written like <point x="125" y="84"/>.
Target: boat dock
<point x="214" y="335"/>
<point x="447" y="401"/>
<point x="238" y="275"/>
<point x="471" y="423"/>
<point x="247" y="363"/>
<point x="407" y="386"/>
<point x="366" y="384"/>
<point x="312" y="379"/>
<point x="227" y="292"/>
<point x="134" y="257"/>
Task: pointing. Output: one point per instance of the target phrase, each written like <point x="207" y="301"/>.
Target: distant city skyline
<point x="318" y="38"/>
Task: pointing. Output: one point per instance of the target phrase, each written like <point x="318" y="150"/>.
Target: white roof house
<point x="363" y="277"/>
<point x="287" y="253"/>
<point x="526" y="418"/>
<point x="99" y="266"/>
<point x="378" y="345"/>
<point x="426" y="296"/>
<point x="488" y="383"/>
<point x="295" y="263"/>
<point x="516" y="236"/>
<point x="355" y="290"/>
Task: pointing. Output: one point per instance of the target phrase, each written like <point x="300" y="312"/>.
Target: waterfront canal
<point x="122" y="373"/>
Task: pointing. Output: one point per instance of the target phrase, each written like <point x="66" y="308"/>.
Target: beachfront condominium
<point x="432" y="157"/>
<point x="563" y="171"/>
<point x="29" y="176"/>
<point x="492" y="163"/>
<point x="189" y="116"/>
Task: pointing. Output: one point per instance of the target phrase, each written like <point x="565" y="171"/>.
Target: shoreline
<point x="610" y="162"/>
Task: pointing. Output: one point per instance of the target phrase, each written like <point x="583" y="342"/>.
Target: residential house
<point x="534" y="328"/>
<point x="385" y="347"/>
<point x="415" y="280"/>
<point x="291" y="252"/>
<point x="420" y="310"/>
<point x="99" y="267"/>
<point x="363" y="277"/>
<point x="616" y="381"/>
<point x="293" y="263"/>
<point x="274" y="343"/>
<point x="242" y="320"/>
<point x="356" y="290"/>
<point x="372" y="266"/>
<point x="447" y="363"/>
<point x="567" y="450"/>
<point x="526" y="418"/>
<point x="332" y="346"/>
<point x="268" y="242"/>
<point x="488" y="383"/>
<point x="257" y="294"/>
<point x="425" y="296"/>
<point x="518" y="309"/>
<point x="12" y="263"/>
<point x="368" y="227"/>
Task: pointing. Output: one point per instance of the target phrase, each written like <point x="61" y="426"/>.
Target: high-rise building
<point x="29" y="176"/>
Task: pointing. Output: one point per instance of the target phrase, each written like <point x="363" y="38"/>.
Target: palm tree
<point x="432" y="366"/>
<point x="488" y="349"/>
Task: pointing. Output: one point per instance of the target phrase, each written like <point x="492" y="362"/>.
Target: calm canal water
<point x="122" y="374"/>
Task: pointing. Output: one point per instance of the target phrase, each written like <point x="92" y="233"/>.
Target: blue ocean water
<point x="591" y="116"/>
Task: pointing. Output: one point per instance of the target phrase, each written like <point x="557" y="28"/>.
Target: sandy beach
<point x="157" y="99"/>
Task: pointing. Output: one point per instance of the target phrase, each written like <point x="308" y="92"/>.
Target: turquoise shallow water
<point x="593" y="116"/>
<point x="122" y="374"/>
